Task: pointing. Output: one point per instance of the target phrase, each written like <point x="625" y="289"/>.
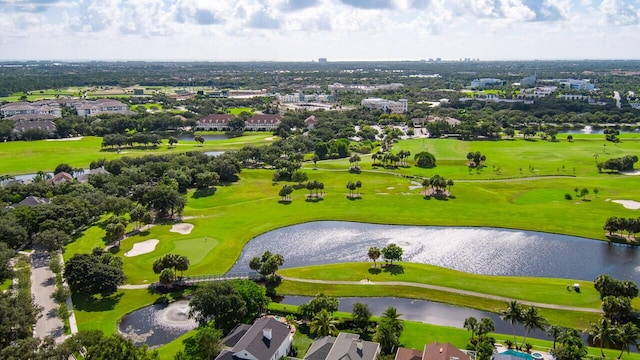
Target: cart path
<point x="445" y="289"/>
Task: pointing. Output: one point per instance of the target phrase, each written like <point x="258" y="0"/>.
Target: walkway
<point x="446" y="289"/>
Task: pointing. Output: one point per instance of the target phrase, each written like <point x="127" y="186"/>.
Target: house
<point x="432" y="351"/>
<point x="263" y="122"/>
<point x="266" y="339"/>
<point x="345" y="346"/>
<point x="33" y="201"/>
<point x="311" y="122"/>
<point x="83" y="178"/>
<point x="215" y="122"/>
<point x="59" y="178"/>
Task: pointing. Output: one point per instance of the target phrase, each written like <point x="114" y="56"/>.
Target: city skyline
<point x="305" y="30"/>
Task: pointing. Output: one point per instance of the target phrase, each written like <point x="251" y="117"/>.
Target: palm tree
<point x="393" y="318"/>
<point x="471" y="324"/>
<point x="358" y="185"/>
<point x="323" y="324"/>
<point x="628" y="335"/>
<point x="512" y="314"/>
<point x="603" y="333"/>
<point x="532" y="320"/>
<point x="555" y="331"/>
<point x="374" y="157"/>
<point x="374" y="254"/>
<point x="316" y="158"/>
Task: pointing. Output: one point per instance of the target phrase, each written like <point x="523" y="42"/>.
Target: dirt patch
<point x="628" y="204"/>
<point x="142" y="247"/>
<point x="182" y="228"/>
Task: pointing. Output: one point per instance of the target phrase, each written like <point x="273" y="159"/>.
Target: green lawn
<point x="45" y="155"/>
<point x="238" y="110"/>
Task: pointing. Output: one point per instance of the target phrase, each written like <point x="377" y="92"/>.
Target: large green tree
<point x="94" y="274"/>
<point x="219" y="301"/>
<point x="391" y="253"/>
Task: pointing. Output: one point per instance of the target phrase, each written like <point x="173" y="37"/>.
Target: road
<point x="447" y="289"/>
<point x="43" y="284"/>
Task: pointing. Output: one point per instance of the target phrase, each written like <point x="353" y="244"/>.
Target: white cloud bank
<point x="308" y="29"/>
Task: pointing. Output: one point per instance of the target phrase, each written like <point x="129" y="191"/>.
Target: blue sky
<point x="302" y="30"/>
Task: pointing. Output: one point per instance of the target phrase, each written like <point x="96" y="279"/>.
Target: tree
<point x="167" y="277"/>
<point x="471" y="324"/>
<point x="219" y="301"/>
<point x="172" y="141"/>
<point x="285" y="193"/>
<point x="254" y="297"/>
<point x="425" y="160"/>
<point x="361" y="316"/>
<point x="205" y="344"/>
<point x="63" y="168"/>
<point x="267" y="263"/>
<point x="392" y="252"/>
<point x="315" y="159"/>
<point x="571" y="346"/>
<point x="389" y="330"/>
<point x="351" y="186"/>
<point x="555" y="331"/>
<point x="206" y="179"/>
<point x="174" y="262"/>
<point x="604" y="333"/>
<point x="627" y="335"/>
<point x="199" y="139"/>
<point x="299" y="177"/>
<point x="358" y="186"/>
<point x="374" y="254"/>
<point x="617" y="308"/>
<point x="513" y="314"/>
<point x="53" y="239"/>
<point x="94" y="274"/>
<point x="323" y="324"/>
<point x="318" y="303"/>
<point x="532" y="321"/>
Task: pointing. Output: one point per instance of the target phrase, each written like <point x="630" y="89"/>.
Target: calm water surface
<point x="487" y="251"/>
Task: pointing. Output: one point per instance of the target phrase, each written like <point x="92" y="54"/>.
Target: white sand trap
<point x="629" y="204"/>
<point x="182" y="228"/>
<point x="67" y="139"/>
<point x="632" y="173"/>
<point x="142" y="247"/>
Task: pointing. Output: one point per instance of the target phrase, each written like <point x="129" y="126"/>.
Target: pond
<point x="488" y="251"/>
<point x="423" y="311"/>
<point x="157" y="324"/>
<point x="589" y="130"/>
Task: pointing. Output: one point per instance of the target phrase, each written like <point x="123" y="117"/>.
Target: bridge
<point x="193" y="280"/>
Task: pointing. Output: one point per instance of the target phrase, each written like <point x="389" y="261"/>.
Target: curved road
<point x="446" y="289"/>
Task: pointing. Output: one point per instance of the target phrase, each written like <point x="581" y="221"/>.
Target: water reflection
<point x="475" y="250"/>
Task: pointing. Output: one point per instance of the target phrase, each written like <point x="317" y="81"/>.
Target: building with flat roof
<point x="389" y="106"/>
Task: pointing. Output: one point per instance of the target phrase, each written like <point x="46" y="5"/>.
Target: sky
<point x="305" y="30"/>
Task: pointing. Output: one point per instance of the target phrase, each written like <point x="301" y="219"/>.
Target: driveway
<point x="43" y="284"/>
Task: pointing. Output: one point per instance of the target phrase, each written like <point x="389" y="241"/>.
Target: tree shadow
<point x="375" y="271"/>
<point x="200" y="193"/>
<point x="285" y="202"/>
<point x="98" y="303"/>
<point x="314" y="199"/>
<point x="354" y="197"/>
<point x="393" y="269"/>
<point x="299" y="186"/>
<point x="427" y="197"/>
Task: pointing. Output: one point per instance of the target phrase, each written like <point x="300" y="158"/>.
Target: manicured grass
<point x="542" y="290"/>
<point x="6" y="284"/>
<point x="44" y="155"/>
<point x="238" y="110"/>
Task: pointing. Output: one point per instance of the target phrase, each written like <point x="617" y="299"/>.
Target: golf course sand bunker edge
<point x="628" y="204"/>
<point x="182" y="228"/>
<point x="142" y="247"/>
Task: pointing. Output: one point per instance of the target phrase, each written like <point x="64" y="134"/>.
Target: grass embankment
<point x="24" y="157"/>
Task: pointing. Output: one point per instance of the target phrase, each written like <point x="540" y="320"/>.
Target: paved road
<point x="447" y="289"/>
<point x="43" y="284"/>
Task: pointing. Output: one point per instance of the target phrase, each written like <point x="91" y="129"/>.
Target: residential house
<point x="311" y="122"/>
<point x="263" y="122"/>
<point x="32" y="201"/>
<point x="433" y="351"/>
<point x="83" y="178"/>
<point x="21" y="126"/>
<point x="59" y="178"/>
<point x="214" y="122"/>
<point x="266" y="339"/>
<point x="345" y="346"/>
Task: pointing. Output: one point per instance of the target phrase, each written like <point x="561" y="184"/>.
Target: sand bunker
<point x="142" y="247"/>
<point x="182" y="228"/>
<point x="632" y="173"/>
<point x="629" y="204"/>
<point x="67" y="139"/>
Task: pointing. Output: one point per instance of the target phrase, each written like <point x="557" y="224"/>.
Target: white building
<point x="394" y="107"/>
<point x="43" y="107"/>
<point x="100" y="106"/>
<point x="576" y="84"/>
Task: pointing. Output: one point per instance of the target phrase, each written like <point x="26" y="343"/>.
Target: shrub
<point x="567" y="196"/>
